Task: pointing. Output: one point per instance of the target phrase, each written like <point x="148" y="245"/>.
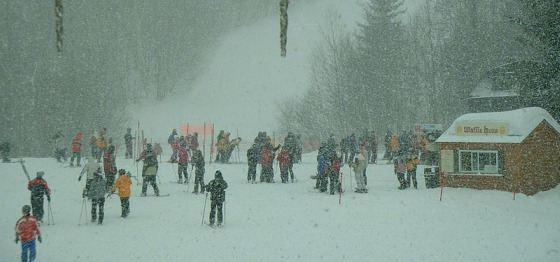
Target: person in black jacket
<point x="217" y="188"/>
<point x="253" y="154"/>
<point x="149" y="169"/>
<point x="38" y="188"/>
<point x="96" y="193"/>
<point x="198" y="162"/>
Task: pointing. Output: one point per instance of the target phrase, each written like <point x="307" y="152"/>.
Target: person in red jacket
<point x="183" y="162"/>
<point x="27" y="228"/>
<point x="333" y="172"/>
<point x="284" y="163"/>
<point x="39" y="188"/>
<point x="76" y="149"/>
<point x="267" y="173"/>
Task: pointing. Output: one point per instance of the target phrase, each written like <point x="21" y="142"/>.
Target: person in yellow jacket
<point x="123" y="183"/>
<point x="101" y="143"/>
<point x="394" y="146"/>
<point x="412" y="164"/>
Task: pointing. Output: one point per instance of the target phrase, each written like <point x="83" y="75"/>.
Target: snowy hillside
<point x="285" y="222"/>
<point x="246" y="78"/>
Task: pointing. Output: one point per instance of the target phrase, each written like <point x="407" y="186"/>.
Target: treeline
<point x="394" y="71"/>
<point x="114" y="53"/>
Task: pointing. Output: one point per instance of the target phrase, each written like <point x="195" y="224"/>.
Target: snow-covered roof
<point x="485" y="89"/>
<point x="514" y="126"/>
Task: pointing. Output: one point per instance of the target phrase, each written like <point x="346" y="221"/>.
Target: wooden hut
<point x="517" y="151"/>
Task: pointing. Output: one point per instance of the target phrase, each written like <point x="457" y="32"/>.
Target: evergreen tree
<point x="380" y="42"/>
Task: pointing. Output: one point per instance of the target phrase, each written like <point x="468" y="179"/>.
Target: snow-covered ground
<point x="285" y="222"/>
<point x="245" y="79"/>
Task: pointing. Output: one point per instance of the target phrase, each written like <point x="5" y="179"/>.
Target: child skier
<point x="217" y="188"/>
<point x="27" y="228"/>
<point x="123" y="185"/>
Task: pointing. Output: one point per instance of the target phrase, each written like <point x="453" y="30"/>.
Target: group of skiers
<point x="263" y="152"/>
<point x="420" y="144"/>
<point x="225" y="146"/>
<point x="350" y="146"/>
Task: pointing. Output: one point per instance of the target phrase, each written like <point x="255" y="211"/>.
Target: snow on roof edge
<point x="520" y="123"/>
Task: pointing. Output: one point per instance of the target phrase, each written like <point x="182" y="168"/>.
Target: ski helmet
<point x="122" y="171"/>
<point x="26" y="209"/>
<point x="40" y="174"/>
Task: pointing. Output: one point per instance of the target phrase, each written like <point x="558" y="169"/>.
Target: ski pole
<point x="137" y="183"/>
<point x="224" y="208"/>
<point x="82" y="210"/>
<point x="50" y="215"/>
<point x="204" y="210"/>
<point x="340" y="188"/>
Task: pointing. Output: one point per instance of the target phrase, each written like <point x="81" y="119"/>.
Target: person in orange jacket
<point x="76" y="149"/>
<point x="27" y="228"/>
<point x="123" y="183"/>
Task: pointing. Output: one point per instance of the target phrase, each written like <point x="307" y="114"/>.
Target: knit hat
<point x="218" y="174"/>
<point x="40" y="174"/>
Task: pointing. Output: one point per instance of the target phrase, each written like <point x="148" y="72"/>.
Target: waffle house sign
<point x="485" y="128"/>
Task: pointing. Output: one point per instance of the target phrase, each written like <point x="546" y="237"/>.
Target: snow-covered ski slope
<point x="285" y="222"/>
<point x="246" y="78"/>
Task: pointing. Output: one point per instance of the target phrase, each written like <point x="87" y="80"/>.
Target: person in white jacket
<point x="360" y="165"/>
<point x="90" y="168"/>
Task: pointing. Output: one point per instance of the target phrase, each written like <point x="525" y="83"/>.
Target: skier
<point x="5" y="148"/>
<point x="412" y="164"/>
<point x="27" y="229"/>
<point x="284" y="162"/>
<point x="183" y="162"/>
<point x="299" y="148"/>
<point x="290" y="143"/>
<point x="219" y="138"/>
<point x="372" y="147"/>
<point x="96" y="193"/>
<point x="359" y="165"/>
<point x="59" y="148"/>
<point x="267" y="172"/>
<point x="400" y="169"/>
<point x="38" y="188"/>
<point x="93" y="145"/>
<point x="76" y="149"/>
<point x="123" y="185"/>
<point x="193" y="143"/>
<point x="149" y="169"/>
<point x="322" y="167"/>
<point x="110" y="167"/>
<point x="128" y="142"/>
<point x="173" y="141"/>
<point x="344" y="149"/>
<point x="101" y="143"/>
<point x="217" y="188"/>
<point x="252" y="160"/>
<point x="223" y="146"/>
<point x="387" y="144"/>
<point x="198" y="162"/>
<point x="333" y="172"/>
<point x="90" y="168"/>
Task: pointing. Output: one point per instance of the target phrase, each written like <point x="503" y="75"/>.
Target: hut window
<point x="478" y="161"/>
